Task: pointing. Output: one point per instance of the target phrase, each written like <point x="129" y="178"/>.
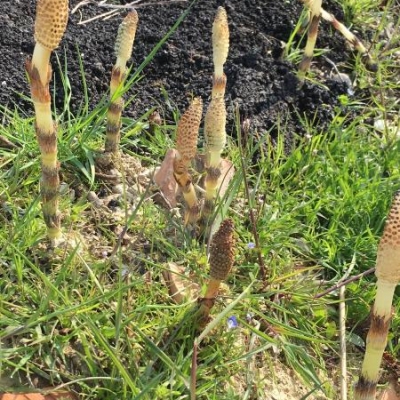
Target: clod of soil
<point x="260" y="82"/>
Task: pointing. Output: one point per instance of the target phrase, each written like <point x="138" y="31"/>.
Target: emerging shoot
<point x="123" y="52"/>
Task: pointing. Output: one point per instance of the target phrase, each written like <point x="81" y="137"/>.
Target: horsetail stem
<point x="50" y="24"/>
<point x="186" y="146"/>
<point x="215" y="136"/>
<point x="388" y="277"/>
<point x="215" y="131"/>
<point x="215" y="119"/>
<point x="123" y="51"/>
<point x="315" y="16"/>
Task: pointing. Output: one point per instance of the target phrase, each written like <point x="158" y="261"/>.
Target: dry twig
<point x="115" y="9"/>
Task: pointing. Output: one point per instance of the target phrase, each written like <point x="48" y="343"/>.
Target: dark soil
<point x="259" y="80"/>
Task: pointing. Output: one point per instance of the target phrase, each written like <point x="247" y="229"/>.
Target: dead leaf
<point x="21" y="396"/>
<point x="389" y="394"/>
<point x="165" y="180"/>
<point x="227" y="173"/>
<point x="59" y="395"/>
<point x="179" y="289"/>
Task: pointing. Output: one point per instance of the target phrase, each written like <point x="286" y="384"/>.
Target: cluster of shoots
<point x="388" y="277"/>
<point x="316" y="12"/>
<point x="50" y="24"/>
<point x="222" y="251"/>
<point x="214" y="132"/>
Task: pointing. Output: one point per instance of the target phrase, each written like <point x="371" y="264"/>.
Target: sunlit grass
<point x="107" y="327"/>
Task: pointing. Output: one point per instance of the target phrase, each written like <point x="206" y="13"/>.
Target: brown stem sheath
<point x="310" y="45"/>
<point x="114" y="112"/>
<point x="46" y="133"/>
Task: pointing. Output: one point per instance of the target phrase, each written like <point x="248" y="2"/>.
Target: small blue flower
<point x="251" y="245"/>
<point x="232" y="322"/>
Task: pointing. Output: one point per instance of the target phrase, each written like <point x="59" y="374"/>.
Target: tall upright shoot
<point x="388" y="275"/>
<point x="123" y="52"/>
<point x="215" y="119"/>
<point x="50" y="24"/>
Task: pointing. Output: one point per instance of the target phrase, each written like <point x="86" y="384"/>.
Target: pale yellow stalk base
<point x="121" y="65"/>
<point x="41" y="60"/>
<point x="44" y="119"/>
<point x="211" y="183"/>
<point x="184" y="181"/>
<point x="192" y="211"/>
<point x="214" y="158"/>
<point x="207" y="302"/>
<point x="211" y="187"/>
<point x="376" y="344"/>
<point x="376" y="341"/>
<point x="219" y="86"/>
<point x="312" y="34"/>
<point x="384" y="298"/>
<point x="212" y="288"/>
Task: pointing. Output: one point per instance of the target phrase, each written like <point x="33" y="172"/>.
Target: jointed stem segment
<point x="114" y="112"/>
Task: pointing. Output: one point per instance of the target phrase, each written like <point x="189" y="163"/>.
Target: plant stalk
<point x="123" y="50"/>
<point x="312" y="34"/>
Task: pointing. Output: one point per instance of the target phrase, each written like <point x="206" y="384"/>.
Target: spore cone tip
<point x="222" y="251"/>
